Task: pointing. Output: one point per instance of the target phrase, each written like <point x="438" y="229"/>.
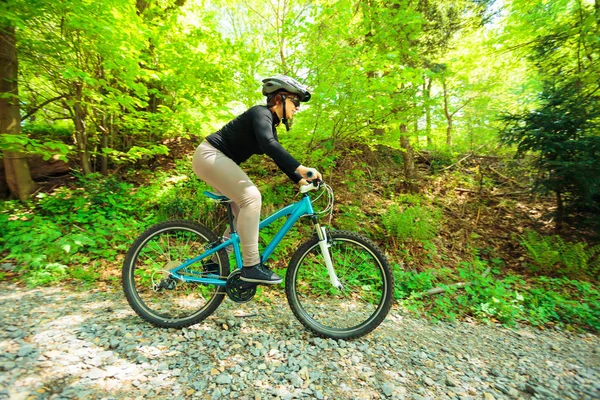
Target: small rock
<point x="388" y="389"/>
<point x="450" y="381"/>
<point x="223" y="379"/>
<point x="296" y="380"/>
<point x="501" y="388"/>
<point x="7" y="366"/>
<point x="7" y="266"/>
<point x="26" y="350"/>
<point x="96" y="373"/>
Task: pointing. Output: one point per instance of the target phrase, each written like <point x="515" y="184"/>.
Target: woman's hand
<point x="302" y="170"/>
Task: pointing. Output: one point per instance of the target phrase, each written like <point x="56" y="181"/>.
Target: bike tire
<point x="160" y="248"/>
<point x="368" y="283"/>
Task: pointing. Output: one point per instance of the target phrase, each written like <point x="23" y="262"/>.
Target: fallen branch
<point x="439" y="290"/>
<point x="506" y="178"/>
<point x="523" y="192"/>
<point x="472" y="154"/>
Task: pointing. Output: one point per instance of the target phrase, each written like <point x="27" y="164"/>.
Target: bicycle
<point x="338" y="283"/>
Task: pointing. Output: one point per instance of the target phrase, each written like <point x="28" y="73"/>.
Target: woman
<point x="217" y="161"/>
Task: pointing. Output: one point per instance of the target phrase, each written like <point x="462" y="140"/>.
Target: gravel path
<point x="56" y="343"/>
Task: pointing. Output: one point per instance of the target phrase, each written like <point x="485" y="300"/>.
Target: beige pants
<point x="225" y="176"/>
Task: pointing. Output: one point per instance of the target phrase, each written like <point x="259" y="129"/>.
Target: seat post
<point x="230" y="215"/>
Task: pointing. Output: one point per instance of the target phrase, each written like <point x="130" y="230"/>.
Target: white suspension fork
<point x="322" y="234"/>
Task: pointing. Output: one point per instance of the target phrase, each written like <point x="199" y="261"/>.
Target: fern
<point x="413" y="223"/>
<point x="553" y="256"/>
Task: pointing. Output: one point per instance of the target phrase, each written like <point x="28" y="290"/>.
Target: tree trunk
<point x="18" y="176"/>
<point x="560" y="211"/>
<point x="448" y="117"/>
<point x="427" y="93"/>
<point x="81" y="130"/>
<point x="408" y="157"/>
<point x="104" y="145"/>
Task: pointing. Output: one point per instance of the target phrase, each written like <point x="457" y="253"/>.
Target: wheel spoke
<point x="150" y="288"/>
<point x="367" y="286"/>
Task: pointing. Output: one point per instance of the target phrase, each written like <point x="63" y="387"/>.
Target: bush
<point x="72" y="226"/>
<point x="551" y="255"/>
<point x="507" y="300"/>
<point x="417" y="223"/>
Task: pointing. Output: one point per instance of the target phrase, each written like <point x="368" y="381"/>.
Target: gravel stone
<point x="59" y="343"/>
<point x="388" y="389"/>
<point x="223" y="379"/>
<point x="26" y="350"/>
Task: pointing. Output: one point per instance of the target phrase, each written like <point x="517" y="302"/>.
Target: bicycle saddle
<point x="217" y="197"/>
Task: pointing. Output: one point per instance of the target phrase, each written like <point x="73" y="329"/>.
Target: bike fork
<point x="322" y="235"/>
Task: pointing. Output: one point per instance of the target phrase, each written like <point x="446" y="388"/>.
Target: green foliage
<point x="563" y="131"/>
<point x="416" y="223"/>
<point x="551" y="255"/>
<point x="505" y="299"/>
<point x="350" y="215"/>
<point x="23" y="144"/>
<point x="46" y="274"/>
<point x="71" y="226"/>
<point x="86" y="275"/>
<point x="178" y="194"/>
<point x="562" y="127"/>
<point x="563" y="301"/>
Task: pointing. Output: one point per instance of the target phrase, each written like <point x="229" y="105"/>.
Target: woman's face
<point x="292" y="106"/>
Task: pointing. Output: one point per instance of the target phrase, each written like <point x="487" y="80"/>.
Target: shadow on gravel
<point x="90" y="344"/>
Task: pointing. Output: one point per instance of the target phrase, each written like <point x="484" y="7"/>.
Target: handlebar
<point x="315" y="184"/>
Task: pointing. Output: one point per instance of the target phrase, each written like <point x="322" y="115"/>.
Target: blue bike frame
<point x="294" y="211"/>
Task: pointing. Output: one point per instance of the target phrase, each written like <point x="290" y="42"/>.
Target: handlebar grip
<point x="311" y="173"/>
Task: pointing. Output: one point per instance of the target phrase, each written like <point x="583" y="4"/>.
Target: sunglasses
<point x="295" y="101"/>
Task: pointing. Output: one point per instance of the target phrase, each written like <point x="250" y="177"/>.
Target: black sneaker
<point x="260" y="274"/>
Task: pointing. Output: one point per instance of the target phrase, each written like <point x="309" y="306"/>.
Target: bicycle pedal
<point x="246" y="285"/>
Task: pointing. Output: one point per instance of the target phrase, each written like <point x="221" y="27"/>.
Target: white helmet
<point x="283" y="82"/>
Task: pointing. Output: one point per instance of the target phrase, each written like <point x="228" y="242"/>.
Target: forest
<point x="462" y="136"/>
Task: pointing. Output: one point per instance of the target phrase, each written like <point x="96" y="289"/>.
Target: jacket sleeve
<point x="268" y="143"/>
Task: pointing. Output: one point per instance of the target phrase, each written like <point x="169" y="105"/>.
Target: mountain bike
<point x="338" y="283"/>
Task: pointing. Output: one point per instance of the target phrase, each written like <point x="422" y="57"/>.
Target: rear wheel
<point x="359" y="306"/>
<point x="154" y="293"/>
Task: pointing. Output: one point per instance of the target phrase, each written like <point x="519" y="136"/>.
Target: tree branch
<point x="461" y="107"/>
<point x="36" y="109"/>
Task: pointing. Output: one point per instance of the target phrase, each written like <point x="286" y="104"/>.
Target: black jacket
<point x="253" y="132"/>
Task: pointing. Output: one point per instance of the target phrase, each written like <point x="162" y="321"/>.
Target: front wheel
<point x="353" y="310"/>
<point x="159" y="297"/>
